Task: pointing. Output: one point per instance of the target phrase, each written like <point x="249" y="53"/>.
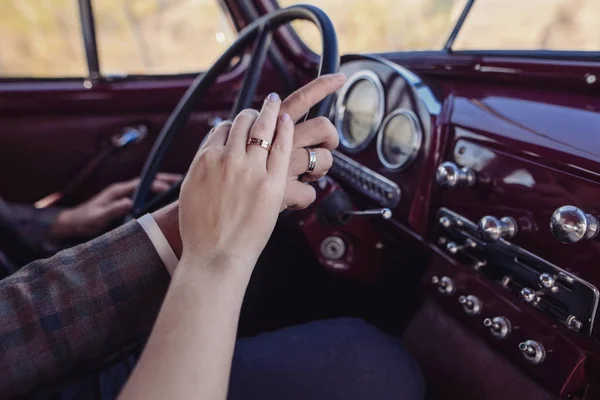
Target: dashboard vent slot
<point x="365" y="181"/>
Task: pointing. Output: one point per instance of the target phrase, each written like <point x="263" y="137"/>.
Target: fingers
<point x="168" y="177"/>
<point x="298" y="195"/>
<point x="264" y="126"/>
<point x="118" y="208"/>
<point x="121" y="189"/>
<point x="299" y="163"/>
<point x="218" y="136"/>
<point x="238" y="135"/>
<point x="316" y="132"/>
<point x="298" y="103"/>
<point x="279" y="158"/>
<point x="159" y="186"/>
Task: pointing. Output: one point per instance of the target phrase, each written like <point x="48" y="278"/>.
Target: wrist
<point x="217" y="267"/>
<point x="63" y="226"/>
<point x="167" y="219"/>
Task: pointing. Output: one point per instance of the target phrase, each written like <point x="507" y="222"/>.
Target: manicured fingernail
<point x="273" y="97"/>
<point x="285" y="117"/>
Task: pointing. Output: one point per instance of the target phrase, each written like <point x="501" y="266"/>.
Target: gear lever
<point x="384" y="213"/>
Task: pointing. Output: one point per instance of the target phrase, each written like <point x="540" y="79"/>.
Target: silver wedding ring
<point x="312" y="161"/>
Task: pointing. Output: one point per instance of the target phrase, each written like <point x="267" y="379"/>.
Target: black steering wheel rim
<point x="261" y="32"/>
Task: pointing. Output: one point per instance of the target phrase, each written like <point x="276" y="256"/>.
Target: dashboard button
<point x="570" y="224"/>
<point x="446" y="222"/>
<point x="454" y="248"/>
<point x="530" y="296"/>
<point x="573" y="323"/>
<point x="533" y="351"/>
<point x="444" y="284"/>
<point x="548" y="281"/>
<point x="471" y="304"/>
<point x="492" y="229"/>
<point x="499" y="326"/>
<point x="450" y="175"/>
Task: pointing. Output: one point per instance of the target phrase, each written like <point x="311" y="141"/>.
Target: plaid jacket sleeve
<point x="34" y="223"/>
<point x="78" y="310"/>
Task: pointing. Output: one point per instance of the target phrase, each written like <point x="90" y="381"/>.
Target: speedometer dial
<point x="360" y="108"/>
<point x="399" y="139"/>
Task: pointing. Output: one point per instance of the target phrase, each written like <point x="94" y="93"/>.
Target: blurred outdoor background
<point x="42" y="38"/>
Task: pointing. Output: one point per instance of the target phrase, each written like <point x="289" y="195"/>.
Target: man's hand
<point x="95" y="215"/>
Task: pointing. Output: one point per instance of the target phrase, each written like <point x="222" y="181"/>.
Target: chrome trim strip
<point x="417" y="139"/>
<point x="340" y="108"/>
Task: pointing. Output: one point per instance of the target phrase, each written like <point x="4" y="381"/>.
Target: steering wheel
<point x="261" y="32"/>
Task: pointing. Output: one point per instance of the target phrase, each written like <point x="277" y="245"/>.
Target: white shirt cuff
<point x="159" y="241"/>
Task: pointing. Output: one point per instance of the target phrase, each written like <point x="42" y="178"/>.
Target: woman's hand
<point x="98" y="213"/>
<point x="317" y="133"/>
<point x="232" y="194"/>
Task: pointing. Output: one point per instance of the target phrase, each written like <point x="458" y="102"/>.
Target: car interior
<point x="459" y="214"/>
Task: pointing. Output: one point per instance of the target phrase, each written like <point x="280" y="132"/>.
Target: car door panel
<point x="49" y="131"/>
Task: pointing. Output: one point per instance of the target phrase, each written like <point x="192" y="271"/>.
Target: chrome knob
<point x="444" y="284"/>
<point x="446" y="222"/>
<point x="499" y="326"/>
<point x="570" y="224"/>
<point x="533" y="351"/>
<point x="471" y="304"/>
<point x="454" y="248"/>
<point x="530" y="296"/>
<point x="451" y="175"/>
<point x="574" y="323"/>
<point x="491" y="228"/>
<point x="548" y="281"/>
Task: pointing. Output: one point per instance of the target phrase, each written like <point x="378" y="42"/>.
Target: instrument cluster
<point x="360" y="119"/>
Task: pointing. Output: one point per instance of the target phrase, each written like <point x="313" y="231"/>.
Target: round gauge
<point x="399" y="139"/>
<point x="359" y="110"/>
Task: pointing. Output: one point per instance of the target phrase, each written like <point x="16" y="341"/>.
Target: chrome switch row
<point x="569" y="224"/>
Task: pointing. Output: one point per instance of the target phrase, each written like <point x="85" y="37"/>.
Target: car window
<point x="160" y="36"/>
<point x="367" y="26"/>
<point x="531" y="25"/>
<point x="41" y="39"/>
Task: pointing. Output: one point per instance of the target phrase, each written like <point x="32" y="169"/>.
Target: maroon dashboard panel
<point x="563" y="357"/>
<point x="531" y="152"/>
<point x="522" y="148"/>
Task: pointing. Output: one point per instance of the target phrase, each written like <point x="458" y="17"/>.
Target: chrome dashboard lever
<point x="384" y="213"/>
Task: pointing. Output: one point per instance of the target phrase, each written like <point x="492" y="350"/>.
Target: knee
<point x="332" y="359"/>
<point x="372" y="360"/>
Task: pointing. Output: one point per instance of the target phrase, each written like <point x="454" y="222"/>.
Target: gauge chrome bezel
<point x="340" y="108"/>
<point x="416" y="143"/>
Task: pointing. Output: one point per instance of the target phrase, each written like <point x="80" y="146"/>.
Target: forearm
<point x="82" y="307"/>
<point x="190" y="349"/>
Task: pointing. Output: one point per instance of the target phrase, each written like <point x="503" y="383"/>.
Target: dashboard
<point x="498" y="185"/>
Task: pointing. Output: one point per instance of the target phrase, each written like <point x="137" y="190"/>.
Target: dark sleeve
<point x="35" y="224"/>
<point x="78" y="310"/>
